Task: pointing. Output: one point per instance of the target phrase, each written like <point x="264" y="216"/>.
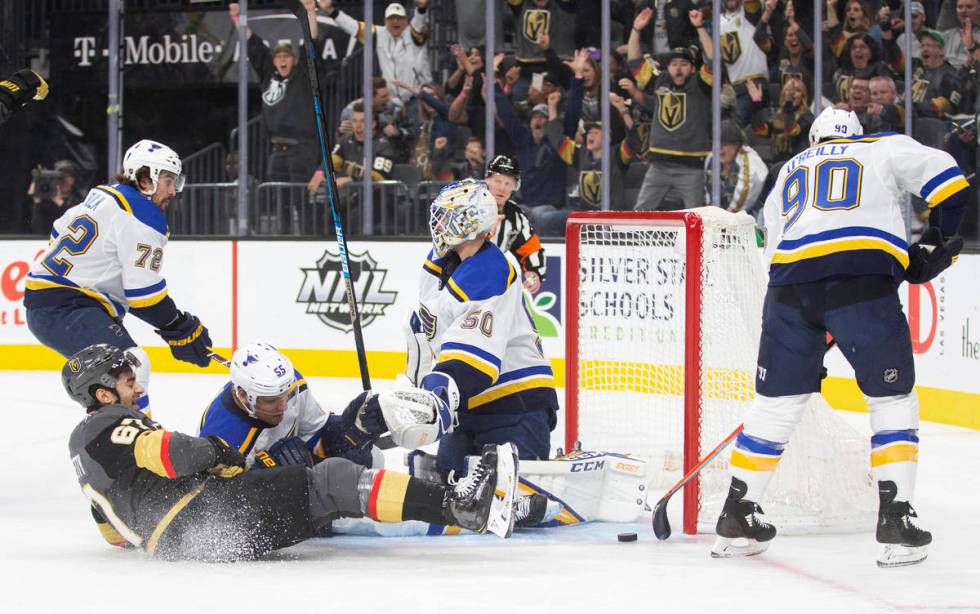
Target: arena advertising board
<point x="292" y="295"/>
<point x="176" y="49"/>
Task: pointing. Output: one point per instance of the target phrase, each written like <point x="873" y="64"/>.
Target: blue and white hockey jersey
<point x="303" y="418"/>
<point x="481" y="333"/>
<point x="835" y="209"/>
<point x="108" y="248"/>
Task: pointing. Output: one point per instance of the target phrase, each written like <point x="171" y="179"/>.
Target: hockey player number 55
<point x="83" y="230"/>
<point x="837" y="187"/>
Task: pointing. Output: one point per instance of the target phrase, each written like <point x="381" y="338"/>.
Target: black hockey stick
<point x="320" y="121"/>
<point x="661" y="526"/>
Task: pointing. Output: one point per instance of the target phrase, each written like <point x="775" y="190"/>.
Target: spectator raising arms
<point x="680" y="133"/>
<point x="287" y="105"/>
<point x="400" y="45"/>
<point x="544" y="146"/>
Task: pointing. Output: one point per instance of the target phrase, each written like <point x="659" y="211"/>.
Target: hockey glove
<point x="286" y="451"/>
<point x="931" y="256"/>
<point x="188" y="339"/>
<point x="22" y="87"/>
<point x="228" y="461"/>
<point x="350" y="434"/>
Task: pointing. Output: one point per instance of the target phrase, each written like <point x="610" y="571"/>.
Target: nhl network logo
<point x="323" y="290"/>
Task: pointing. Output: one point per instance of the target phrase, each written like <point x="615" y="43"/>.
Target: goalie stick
<point x="661" y="526"/>
<point x="298" y="9"/>
<point x="385" y="442"/>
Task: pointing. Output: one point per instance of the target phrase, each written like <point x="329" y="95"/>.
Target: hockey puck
<point x="626" y="537"/>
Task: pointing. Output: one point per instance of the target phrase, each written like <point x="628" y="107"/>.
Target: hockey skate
<point x="531" y="510"/>
<point x="741" y="528"/>
<point x="902" y="543"/>
<point x="483" y="500"/>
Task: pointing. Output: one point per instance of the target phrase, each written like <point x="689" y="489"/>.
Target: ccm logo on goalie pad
<point x="587" y="466"/>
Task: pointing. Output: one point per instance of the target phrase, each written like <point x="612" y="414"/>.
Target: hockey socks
<point x="395" y="497"/>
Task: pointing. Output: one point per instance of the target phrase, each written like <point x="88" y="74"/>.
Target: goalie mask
<point x="834" y="123"/>
<point x="462" y="211"/>
<point x="97" y="366"/>
<point x="156" y="157"/>
<point x="261" y="371"/>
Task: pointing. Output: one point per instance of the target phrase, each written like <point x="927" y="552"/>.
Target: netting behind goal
<point x="663" y="368"/>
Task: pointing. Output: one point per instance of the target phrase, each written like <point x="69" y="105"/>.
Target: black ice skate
<point x="741" y="529"/>
<point x="902" y="542"/>
<point x="468" y="501"/>
<point x="530" y="510"/>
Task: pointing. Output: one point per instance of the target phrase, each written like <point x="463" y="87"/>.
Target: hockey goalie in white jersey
<point x="837" y="251"/>
<point x="473" y="343"/>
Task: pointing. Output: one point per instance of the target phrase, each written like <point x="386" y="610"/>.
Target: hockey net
<point x="663" y="367"/>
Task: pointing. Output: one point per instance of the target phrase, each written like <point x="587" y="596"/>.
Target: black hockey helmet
<point x="505" y="165"/>
<point x="97" y="366"/>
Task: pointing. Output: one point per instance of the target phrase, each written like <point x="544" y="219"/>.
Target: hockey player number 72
<point x="836" y="187"/>
<point x="83" y="231"/>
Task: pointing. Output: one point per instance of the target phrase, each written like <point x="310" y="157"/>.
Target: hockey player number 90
<point x="83" y="231"/>
<point x="837" y="187"/>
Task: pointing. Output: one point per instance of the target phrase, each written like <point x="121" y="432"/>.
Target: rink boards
<point x="291" y="294"/>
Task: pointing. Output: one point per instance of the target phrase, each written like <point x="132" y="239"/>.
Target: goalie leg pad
<point x="600" y="486"/>
<point x="895" y="441"/>
<point x="420" y="357"/>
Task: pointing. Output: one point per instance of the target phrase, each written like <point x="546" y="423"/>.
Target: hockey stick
<point x="661" y="526"/>
<point x="384" y="442"/>
<point x="320" y="121"/>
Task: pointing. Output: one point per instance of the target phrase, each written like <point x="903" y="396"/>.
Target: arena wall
<point x="290" y="293"/>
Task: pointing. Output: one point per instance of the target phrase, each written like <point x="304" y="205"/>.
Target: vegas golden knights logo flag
<point x="590" y="187"/>
<point x="536" y="23"/>
<point x="919" y="89"/>
<point x="673" y="109"/>
<point x="731" y="47"/>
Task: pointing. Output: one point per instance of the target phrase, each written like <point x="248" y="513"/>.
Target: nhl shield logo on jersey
<point x="890" y="376"/>
<point x="536" y="23"/>
<point x="731" y="47"/>
<point x="673" y="109"/>
<point x="323" y="290"/>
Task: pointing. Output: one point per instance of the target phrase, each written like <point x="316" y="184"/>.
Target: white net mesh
<point x="631" y="350"/>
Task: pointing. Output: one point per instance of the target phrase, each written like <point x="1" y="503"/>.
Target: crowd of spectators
<point x="548" y="85"/>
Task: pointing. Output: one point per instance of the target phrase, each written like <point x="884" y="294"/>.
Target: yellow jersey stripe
<point x="119" y="197"/>
<point x="487" y="368"/>
<point x="499" y="392"/>
<point x="432" y="266"/>
<point x="458" y="290"/>
<point x="36" y="284"/>
<point x="249" y="439"/>
<point x="947" y="190"/>
<point x="902" y="453"/>
<point x="844" y="245"/>
<point x="148" y="301"/>
<point x="753" y="463"/>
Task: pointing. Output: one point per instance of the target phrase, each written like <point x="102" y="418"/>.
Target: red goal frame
<point x="694" y="230"/>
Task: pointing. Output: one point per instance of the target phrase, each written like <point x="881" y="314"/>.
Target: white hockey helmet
<point x="463" y="210"/>
<point x="156" y="157"/>
<point x="261" y="371"/>
<point x="834" y="123"/>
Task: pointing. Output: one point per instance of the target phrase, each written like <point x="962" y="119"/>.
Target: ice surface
<point x="52" y="558"/>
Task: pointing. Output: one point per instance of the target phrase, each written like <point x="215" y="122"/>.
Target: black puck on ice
<point x="626" y="537"/>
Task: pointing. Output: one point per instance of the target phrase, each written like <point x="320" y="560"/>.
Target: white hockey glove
<point x="417" y="417"/>
<point x="420" y="357"/>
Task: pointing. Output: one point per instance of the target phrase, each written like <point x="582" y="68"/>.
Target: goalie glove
<point x="419" y="416"/>
<point x="931" y="256"/>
